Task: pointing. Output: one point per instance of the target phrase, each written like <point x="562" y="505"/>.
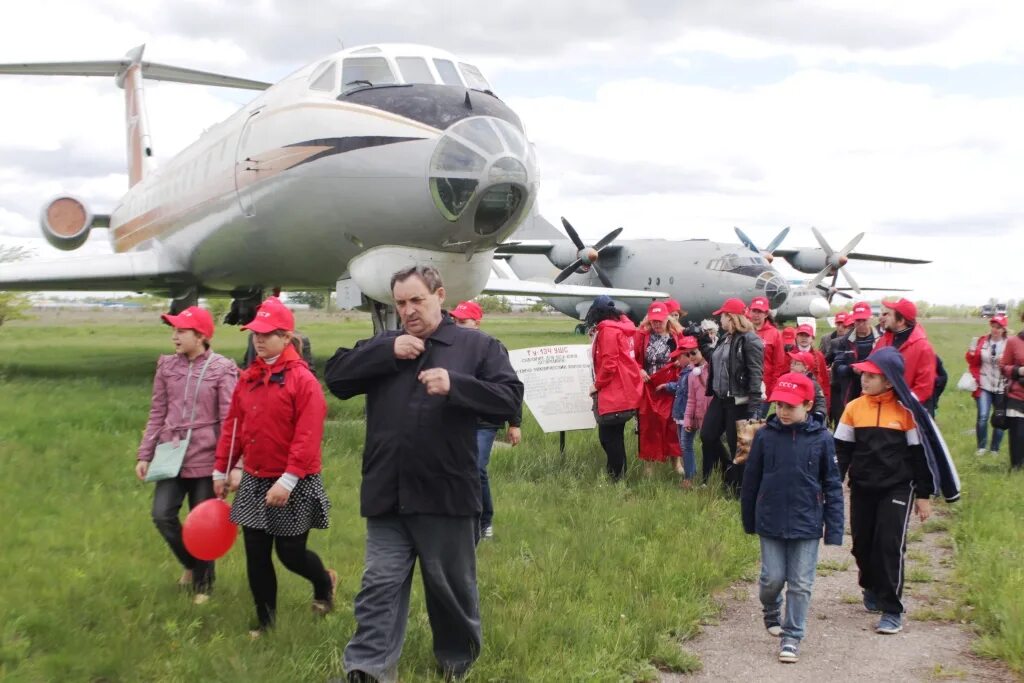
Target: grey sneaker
<point x="772" y="625"/>
<point x="789" y="653"/>
<point x="890" y="623"/>
<point x="870" y="601"/>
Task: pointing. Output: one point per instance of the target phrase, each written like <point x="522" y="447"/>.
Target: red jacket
<point x="616" y="373"/>
<point x="280" y="413"/>
<point x="820" y="371"/>
<point x="974" y="360"/>
<point x="918" y="362"/>
<point x="1013" y="359"/>
<point x="776" y="362"/>
<point x="659" y="437"/>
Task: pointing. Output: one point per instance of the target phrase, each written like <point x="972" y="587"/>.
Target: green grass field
<point x="583" y="581"/>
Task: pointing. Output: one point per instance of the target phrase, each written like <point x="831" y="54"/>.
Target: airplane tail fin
<point x="129" y="73"/>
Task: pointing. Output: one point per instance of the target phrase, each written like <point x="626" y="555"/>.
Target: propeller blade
<point x="824" y="245"/>
<point x="600" y="274"/>
<point x="774" y="244"/>
<point x="608" y="239"/>
<point x="816" y="282"/>
<point x="573" y="235"/>
<point x="843" y="294"/>
<point x="850" y="245"/>
<point x="746" y="241"/>
<point x="849" y="278"/>
<point x="569" y="270"/>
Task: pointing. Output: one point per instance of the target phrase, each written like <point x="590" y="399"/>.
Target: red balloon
<point x="208" y="532"/>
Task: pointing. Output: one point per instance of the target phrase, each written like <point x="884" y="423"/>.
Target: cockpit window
<point x="414" y="70"/>
<point x="474" y="79"/>
<point x="731" y="262"/>
<point x="446" y="69"/>
<point x="362" y="71"/>
<point x="324" y="76"/>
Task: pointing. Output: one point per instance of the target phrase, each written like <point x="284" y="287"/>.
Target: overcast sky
<point x="671" y="119"/>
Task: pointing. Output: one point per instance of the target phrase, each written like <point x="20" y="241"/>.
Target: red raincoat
<point x="918" y="362"/>
<point x="616" y="374"/>
<point x="659" y="437"/>
<point x="776" y="362"/>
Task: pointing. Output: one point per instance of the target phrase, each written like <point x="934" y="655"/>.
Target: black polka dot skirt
<point x="307" y="506"/>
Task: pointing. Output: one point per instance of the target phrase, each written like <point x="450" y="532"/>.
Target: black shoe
<point x="359" y="677"/>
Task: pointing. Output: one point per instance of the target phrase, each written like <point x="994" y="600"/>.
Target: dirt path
<point x="841" y="644"/>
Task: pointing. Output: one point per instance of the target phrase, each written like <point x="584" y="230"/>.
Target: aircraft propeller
<point x="835" y="262"/>
<point x="586" y="257"/>
<point x="767" y="251"/>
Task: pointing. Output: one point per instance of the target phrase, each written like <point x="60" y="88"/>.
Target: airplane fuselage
<point x="700" y="274"/>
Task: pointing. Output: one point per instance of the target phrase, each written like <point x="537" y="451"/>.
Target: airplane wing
<point x="150" y="70"/>
<point x="788" y="253"/>
<point x="500" y="285"/>
<point x="131" y="272"/>
<point x="540" y="247"/>
<point x="884" y="259"/>
<point x="874" y="289"/>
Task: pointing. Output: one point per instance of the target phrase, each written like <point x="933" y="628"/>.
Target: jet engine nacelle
<point x="808" y="260"/>
<point x="66" y="222"/>
<point x="562" y="254"/>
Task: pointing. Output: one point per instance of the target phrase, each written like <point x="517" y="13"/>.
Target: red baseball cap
<point x="657" y="311"/>
<point x="842" y="318"/>
<point x="672" y="305"/>
<point x="904" y="307"/>
<point x="734" y="306"/>
<point x="793" y="388"/>
<point x="759" y="303"/>
<point x="192" y="318"/>
<point x="805" y="357"/>
<point x="271" y="315"/>
<point x="468" y="310"/>
<point x="861" y="311"/>
<point x="805" y="329"/>
<point x="788" y="334"/>
<point x="868" y="366"/>
<point x="1000" y="319"/>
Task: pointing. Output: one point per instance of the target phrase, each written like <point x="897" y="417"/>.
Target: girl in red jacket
<point x="273" y="432"/>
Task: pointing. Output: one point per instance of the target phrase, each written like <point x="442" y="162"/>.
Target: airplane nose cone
<point x="484" y="162"/>
<point x="819" y="307"/>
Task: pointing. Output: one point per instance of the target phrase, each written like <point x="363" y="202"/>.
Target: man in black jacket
<point x="425" y="386"/>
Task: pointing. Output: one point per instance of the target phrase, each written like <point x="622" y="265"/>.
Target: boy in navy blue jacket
<point x="791" y="489"/>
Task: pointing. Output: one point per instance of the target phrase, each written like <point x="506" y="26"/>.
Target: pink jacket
<point x="171" y="409"/>
<point x="697" y="401"/>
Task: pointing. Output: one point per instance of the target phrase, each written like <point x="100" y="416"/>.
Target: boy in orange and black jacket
<point x="878" y="443"/>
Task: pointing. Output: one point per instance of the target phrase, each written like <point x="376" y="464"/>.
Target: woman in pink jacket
<point x="697" y="403"/>
<point x="193" y="375"/>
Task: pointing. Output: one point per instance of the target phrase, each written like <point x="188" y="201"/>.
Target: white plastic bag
<point x="967" y="382"/>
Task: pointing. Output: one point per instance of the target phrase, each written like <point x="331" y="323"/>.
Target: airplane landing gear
<point x="580" y="329"/>
<point x="384" y="317"/>
<point x="182" y="300"/>
<point x="243" y="307"/>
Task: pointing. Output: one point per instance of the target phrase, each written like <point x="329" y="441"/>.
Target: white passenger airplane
<point x="357" y="165"/>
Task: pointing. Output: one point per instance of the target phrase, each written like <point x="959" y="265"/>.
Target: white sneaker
<point x="488" y="531"/>
<point x="981" y="451"/>
<point x="993" y="452"/>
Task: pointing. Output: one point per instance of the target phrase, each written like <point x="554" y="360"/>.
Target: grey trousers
<point x="446" y="549"/>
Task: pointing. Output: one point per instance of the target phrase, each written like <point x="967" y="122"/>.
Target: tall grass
<point x="584" y="580"/>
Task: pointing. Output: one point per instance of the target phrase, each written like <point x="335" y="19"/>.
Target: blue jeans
<point x="791" y="563"/>
<point x="689" y="455"/>
<point x="981" y="428"/>
<point x="484" y="443"/>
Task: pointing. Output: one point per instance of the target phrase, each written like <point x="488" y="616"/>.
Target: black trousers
<point x="1016" y="434"/>
<point x="878" y="523"/>
<point x="613" y="441"/>
<point x="167" y="500"/>
<point x="292" y="552"/>
<point x="720" y="421"/>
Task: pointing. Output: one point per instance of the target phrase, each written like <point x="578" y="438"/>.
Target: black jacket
<point x="746" y="368"/>
<point x="420" y="452"/>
